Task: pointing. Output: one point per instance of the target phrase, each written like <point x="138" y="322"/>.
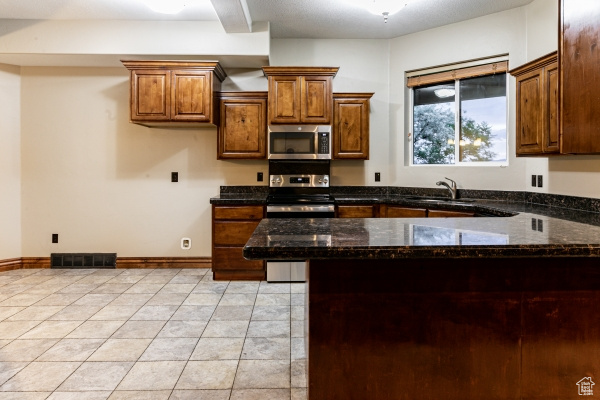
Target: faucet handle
<point x="453" y="182"/>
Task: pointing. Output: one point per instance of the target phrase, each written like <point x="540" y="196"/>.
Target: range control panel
<point x="299" y="181"/>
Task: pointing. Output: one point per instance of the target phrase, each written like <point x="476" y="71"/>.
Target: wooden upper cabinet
<point x="171" y="92"/>
<point x="284" y="104"/>
<point x="150" y="95"/>
<point x="300" y="95"/>
<point x="537" y="106"/>
<point x="316" y="98"/>
<point x="191" y="97"/>
<point x="351" y="125"/>
<point x="579" y="58"/>
<point x="243" y="125"/>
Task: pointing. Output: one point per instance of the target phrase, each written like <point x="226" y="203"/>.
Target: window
<point x="459" y="116"/>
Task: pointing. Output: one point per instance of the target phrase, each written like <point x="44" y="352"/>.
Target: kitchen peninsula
<point x="454" y="308"/>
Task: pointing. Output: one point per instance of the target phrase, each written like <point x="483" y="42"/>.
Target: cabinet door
<point x="579" y="55"/>
<point x="238" y="212"/>
<point x="284" y="99"/>
<point x="316" y="100"/>
<point x="351" y="128"/>
<point x="449" y="214"/>
<point x="242" y="129"/>
<point x="357" y="211"/>
<point x="191" y="99"/>
<point x="405" y="212"/>
<point x="551" y="142"/>
<point x="232" y="226"/>
<point x="529" y="113"/>
<point x="150" y="95"/>
<point x="231" y="258"/>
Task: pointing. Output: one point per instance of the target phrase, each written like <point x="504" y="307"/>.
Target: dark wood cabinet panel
<point x="530" y="117"/>
<point x="243" y="126"/>
<point x="537" y="118"/>
<point x="232" y="226"/>
<point x="405" y="212"/>
<point x="579" y="58"/>
<point x="316" y="100"/>
<point x="449" y="214"/>
<point x="357" y="211"/>
<point x="300" y="95"/>
<point x="552" y="140"/>
<point x="238" y="212"/>
<point x="351" y="125"/>
<point x="174" y="93"/>
<point x="233" y="232"/>
<point x="560" y="343"/>
<point x="149" y="95"/>
<point x="231" y="258"/>
<point x="191" y="97"/>
<point x="284" y="100"/>
<point x="392" y="334"/>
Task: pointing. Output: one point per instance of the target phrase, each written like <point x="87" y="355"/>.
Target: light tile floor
<point x="151" y="334"/>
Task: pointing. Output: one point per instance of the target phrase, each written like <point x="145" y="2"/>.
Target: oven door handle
<point x="300" y="208"/>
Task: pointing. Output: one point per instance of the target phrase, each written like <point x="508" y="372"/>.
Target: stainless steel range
<point x="297" y="189"/>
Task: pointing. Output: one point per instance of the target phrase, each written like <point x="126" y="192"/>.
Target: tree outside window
<point x="478" y="135"/>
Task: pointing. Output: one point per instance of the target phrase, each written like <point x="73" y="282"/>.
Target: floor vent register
<point x="83" y="260"/>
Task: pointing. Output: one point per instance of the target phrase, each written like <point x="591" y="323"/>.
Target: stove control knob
<point x="276" y="180"/>
<point x="323" y="180"/>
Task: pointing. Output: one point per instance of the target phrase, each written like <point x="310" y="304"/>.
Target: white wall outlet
<point x="186" y="243"/>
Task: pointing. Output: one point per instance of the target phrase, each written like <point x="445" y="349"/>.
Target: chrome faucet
<point x="452" y="188"/>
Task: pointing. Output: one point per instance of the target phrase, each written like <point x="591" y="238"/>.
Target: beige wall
<point x="102" y="183"/>
<point x="501" y="33"/>
<point x="10" y="163"/>
<point x="364" y="67"/>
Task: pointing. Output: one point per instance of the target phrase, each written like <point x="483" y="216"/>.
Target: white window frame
<point x="449" y="67"/>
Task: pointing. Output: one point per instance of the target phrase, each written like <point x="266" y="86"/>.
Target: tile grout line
<point x="200" y="336"/>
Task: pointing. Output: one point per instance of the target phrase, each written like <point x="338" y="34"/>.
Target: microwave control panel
<point x="323" y="143"/>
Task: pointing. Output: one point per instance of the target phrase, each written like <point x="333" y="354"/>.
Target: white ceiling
<point x="333" y="19"/>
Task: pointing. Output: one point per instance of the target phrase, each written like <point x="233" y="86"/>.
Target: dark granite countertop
<point x="508" y="224"/>
<point x="522" y="235"/>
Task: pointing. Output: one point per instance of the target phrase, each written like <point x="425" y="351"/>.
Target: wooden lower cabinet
<point x="404" y="212"/>
<point x="394" y="211"/>
<point x="449" y="214"/>
<point x="358" y="211"/>
<point x="232" y="226"/>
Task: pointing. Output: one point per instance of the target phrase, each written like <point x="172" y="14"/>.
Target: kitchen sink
<point x="438" y="199"/>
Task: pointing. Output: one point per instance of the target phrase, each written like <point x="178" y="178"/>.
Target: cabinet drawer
<point x="228" y="258"/>
<point x="448" y="213"/>
<point x="247" y="212"/>
<point x="405" y="212"/>
<point x="358" y="211"/>
<point x="233" y="233"/>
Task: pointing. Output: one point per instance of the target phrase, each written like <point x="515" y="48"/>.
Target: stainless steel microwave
<point x="299" y="142"/>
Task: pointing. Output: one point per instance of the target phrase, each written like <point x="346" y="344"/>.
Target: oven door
<point x="295" y="270"/>
<point x="301" y="211"/>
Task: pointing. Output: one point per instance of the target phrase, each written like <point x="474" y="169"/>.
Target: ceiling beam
<point x="234" y="15"/>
